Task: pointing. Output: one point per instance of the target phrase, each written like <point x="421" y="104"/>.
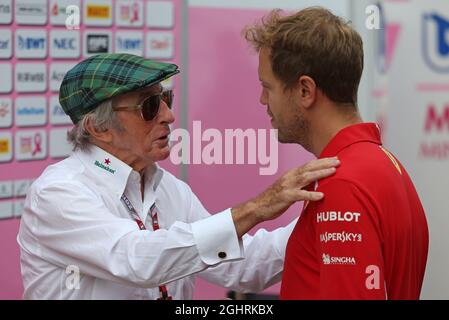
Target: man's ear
<point x="104" y="136"/>
<point x="307" y="91"/>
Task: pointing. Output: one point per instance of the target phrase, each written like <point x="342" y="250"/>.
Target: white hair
<point x="102" y="117"/>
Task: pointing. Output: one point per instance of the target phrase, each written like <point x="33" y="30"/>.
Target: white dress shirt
<point x="78" y="240"/>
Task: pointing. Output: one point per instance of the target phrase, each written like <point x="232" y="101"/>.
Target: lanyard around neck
<point x="153" y="214"/>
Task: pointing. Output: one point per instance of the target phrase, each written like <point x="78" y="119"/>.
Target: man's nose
<point x="165" y="114"/>
<point x="263" y="98"/>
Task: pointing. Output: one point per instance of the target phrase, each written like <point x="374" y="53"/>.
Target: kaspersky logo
<point x="104" y="166"/>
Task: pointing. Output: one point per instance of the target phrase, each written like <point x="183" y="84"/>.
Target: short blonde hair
<point x="312" y="42"/>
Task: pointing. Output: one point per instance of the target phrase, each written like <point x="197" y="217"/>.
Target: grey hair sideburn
<point x="102" y="117"/>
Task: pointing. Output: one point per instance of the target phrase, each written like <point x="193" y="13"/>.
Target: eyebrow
<point x="145" y="93"/>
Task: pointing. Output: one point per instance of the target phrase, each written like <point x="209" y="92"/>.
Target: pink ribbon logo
<point x="37" y="144"/>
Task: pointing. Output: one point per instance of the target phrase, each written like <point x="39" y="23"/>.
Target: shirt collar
<point x="363" y="132"/>
<point x="114" y="172"/>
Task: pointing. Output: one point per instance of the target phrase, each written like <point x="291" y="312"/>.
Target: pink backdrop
<point x="10" y="277"/>
<point x="223" y="90"/>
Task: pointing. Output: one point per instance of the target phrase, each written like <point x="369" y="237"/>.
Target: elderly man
<point x="109" y="223"/>
<point x="368" y="238"/>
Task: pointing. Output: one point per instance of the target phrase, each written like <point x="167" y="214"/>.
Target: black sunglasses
<point x="149" y="108"/>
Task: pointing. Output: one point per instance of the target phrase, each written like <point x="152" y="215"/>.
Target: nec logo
<point x="65" y="43"/>
<point x="437" y="120"/>
<point x="28" y="43"/>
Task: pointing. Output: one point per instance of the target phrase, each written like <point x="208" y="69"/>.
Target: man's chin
<point x="163" y="154"/>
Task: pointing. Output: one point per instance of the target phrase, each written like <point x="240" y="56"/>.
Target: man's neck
<point x="327" y="125"/>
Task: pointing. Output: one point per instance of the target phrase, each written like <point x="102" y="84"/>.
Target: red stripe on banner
<point x="434" y="87"/>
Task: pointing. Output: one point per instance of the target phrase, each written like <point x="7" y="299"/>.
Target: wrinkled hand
<point x="284" y="192"/>
<point x="289" y="188"/>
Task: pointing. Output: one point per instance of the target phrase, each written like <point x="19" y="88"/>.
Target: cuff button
<point x="222" y="254"/>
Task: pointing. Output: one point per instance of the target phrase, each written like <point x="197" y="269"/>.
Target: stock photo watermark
<point x="234" y="147"/>
<point x="72" y="282"/>
<point x="372" y="21"/>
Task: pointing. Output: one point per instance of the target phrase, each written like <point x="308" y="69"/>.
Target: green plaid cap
<point x="104" y="76"/>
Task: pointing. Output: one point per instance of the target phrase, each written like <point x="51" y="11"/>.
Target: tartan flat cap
<point x="104" y="76"/>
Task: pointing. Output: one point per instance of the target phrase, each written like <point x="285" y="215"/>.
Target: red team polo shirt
<point x="368" y="237"/>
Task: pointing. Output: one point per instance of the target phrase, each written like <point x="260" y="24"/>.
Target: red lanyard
<point x="153" y="214"/>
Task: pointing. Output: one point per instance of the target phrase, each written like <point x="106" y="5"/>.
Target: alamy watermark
<point x="72" y="282"/>
<point x="72" y="22"/>
<point x="372" y="21"/>
<point x="235" y="146"/>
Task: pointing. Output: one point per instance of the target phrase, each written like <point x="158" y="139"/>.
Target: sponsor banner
<point x="57" y="8"/>
<point x="160" y="14"/>
<point x="5" y="146"/>
<point x="31" y="12"/>
<point x="59" y="146"/>
<point x="433" y="141"/>
<point x="5" y="112"/>
<point x="98" y="13"/>
<point x="6" y="189"/>
<point x="31" y="77"/>
<point x="18" y="207"/>
<point x="6" y="209"/>
<point x="5" y="44"/>
<point x="417" y="117"/>
<point x="159" y="45"/>
<point x="31" y="44"/>
<point x="57" y="115"/>
<point x="6" y="78"/>
<point x="21" y="187"/>
<point x="96" y="42"/>
<point x="129" y="42"/>
<point x="129" y="13"/>
<point x="65" y="44"/>
<point x="57" y="73"/>
<point x="31" y="145"/>
<point x="6" y="11"/>
<point x="31" y="111"/>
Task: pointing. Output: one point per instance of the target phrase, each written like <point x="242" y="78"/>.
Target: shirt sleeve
<point x="348" y="243"/>
<point x="263" y="253"/>
<point x="66" y="224"/>
<point x="262" y="266"/>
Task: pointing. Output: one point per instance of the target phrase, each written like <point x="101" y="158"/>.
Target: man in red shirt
<point x="368" y="237"/>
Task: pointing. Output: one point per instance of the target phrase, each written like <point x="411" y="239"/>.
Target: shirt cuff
<point x="216" y="238"/>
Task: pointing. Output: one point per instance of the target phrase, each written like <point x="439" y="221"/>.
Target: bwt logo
<point x="437" y="121"/>
<point x="65" y="43"/>
<point x="128" y="44"/>
<point x="435" y="42"/>
<point x="4" y="44"/>
<point x="31" y="43"/>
